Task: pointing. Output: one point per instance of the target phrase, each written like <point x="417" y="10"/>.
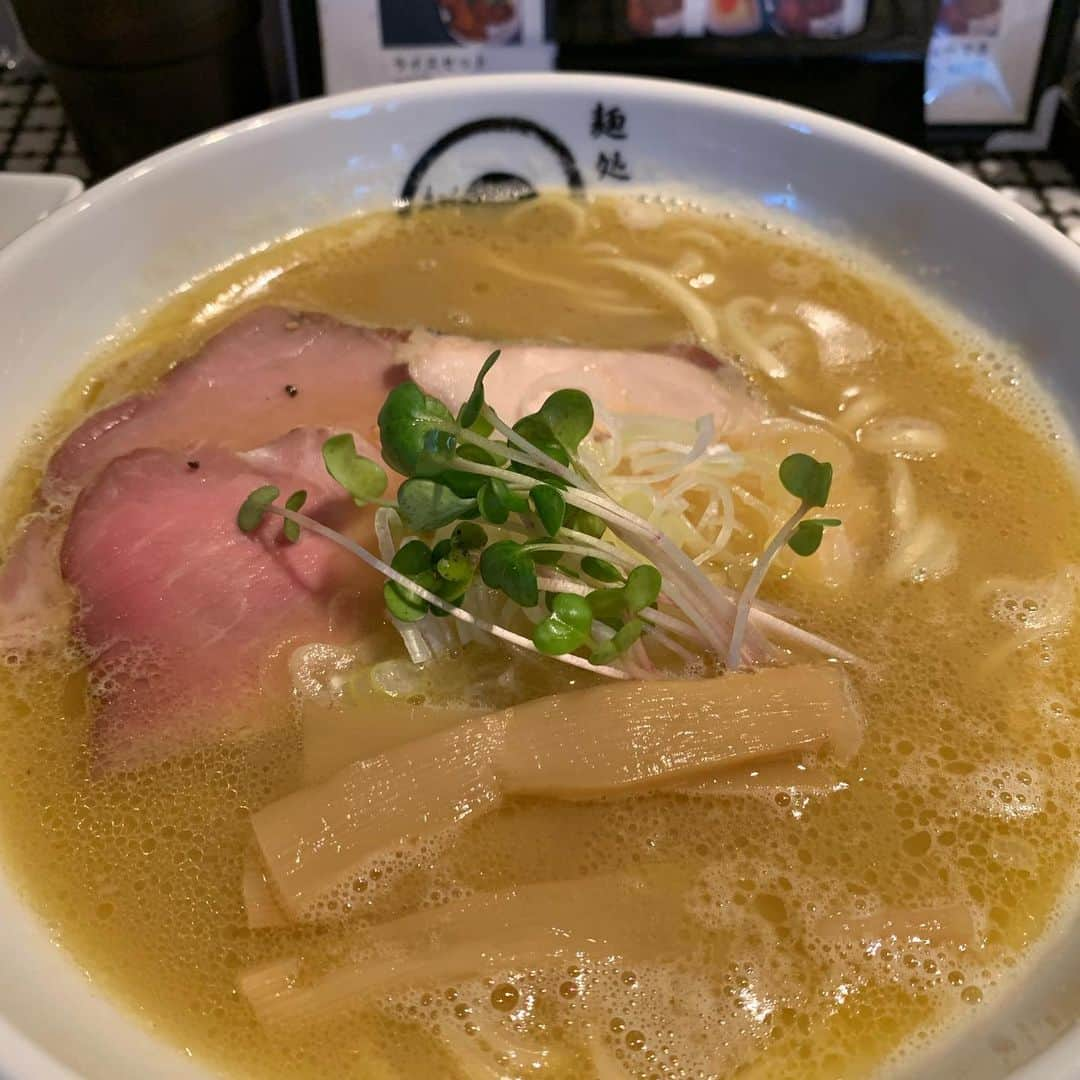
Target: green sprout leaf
<point x="250" y="515"/>
<point x="573" y="610"/>
<point x="481" y="426"/>
<point x="478" y="454"/>
<point x="469" y="536"/>
<point x="550" y="507"/>
<point x="361" y="477"/>
<point x="454" y="561"/>
<point x="808" y="534"/>
<point x="452" y="592"/>
<point x="567" y="628"/>
<point x="624" y="637"/>
<point x="496" y="500"/>
<point x="583" y="522"/>
<point x="806" y="538"/>
<point x="406" y="420"/>
<point x="535" y="430"/>
<point x="642" y="588"/>
<point x="454" y="570"/>
<point x="470" y="411"/>
<point x="467" y="484"/>
<point x="437" y="454"/>
<point x="441" y="550"/>
<point x="545" y="558"/>
<point x="426" y="505"/>
<point x="569" y="417"/>
<point x="607" y="604"/>
<point x="402" y="604"/>
<point x="414" y="561"/>
<point x="600" y="569"/>
<point x="290" y="529"/>
<point x="507" y="565"/>
<point x="455" y="566"/>
<point x="806" y="478"/>
<point x="491" y="501"/>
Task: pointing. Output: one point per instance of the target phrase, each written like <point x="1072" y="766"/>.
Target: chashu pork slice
<point x="187" y="620"/>
<point x="265" y="374"/>
<point x="683" y="383"/>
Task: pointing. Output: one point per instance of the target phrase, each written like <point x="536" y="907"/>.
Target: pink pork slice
<point x="188" y="620"/>
<point x="268" y="372"/>
<point x="684" y="383"/>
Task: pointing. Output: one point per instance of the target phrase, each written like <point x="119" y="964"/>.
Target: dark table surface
<point x="34" y="138"/>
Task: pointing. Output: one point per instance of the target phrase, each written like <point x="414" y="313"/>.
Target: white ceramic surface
<point x="27" y="198"/>
<point x="126" y="243"/>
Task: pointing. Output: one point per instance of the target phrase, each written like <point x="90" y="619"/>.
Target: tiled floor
<point x="34" y="138"/>
<point x="33" y="133"/>
<point x="1038" y="182"/>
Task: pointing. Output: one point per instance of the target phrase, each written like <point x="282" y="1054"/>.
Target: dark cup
<point x="135" y="76"/>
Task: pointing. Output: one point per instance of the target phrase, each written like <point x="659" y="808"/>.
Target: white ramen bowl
<point x="93" y="268"/>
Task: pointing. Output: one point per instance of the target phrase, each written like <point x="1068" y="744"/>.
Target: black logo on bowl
<point x="498" y="159"/>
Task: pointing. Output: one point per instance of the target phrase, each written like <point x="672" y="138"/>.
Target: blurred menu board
<point x="767" y="19"/>
<point x="728" y="18"/>
<point x="984" y="60"/>
<point x="859" y="59"/>
<point x="970" y="69"/>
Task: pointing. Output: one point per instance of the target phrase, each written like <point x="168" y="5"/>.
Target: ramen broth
<point x="828" y="921"/>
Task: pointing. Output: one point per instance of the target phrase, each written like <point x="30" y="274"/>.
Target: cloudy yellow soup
<point x="832" y="917"/>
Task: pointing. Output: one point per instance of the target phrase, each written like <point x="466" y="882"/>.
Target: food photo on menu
<point x="450" y="22"/>
<point x="494" y="21"/>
